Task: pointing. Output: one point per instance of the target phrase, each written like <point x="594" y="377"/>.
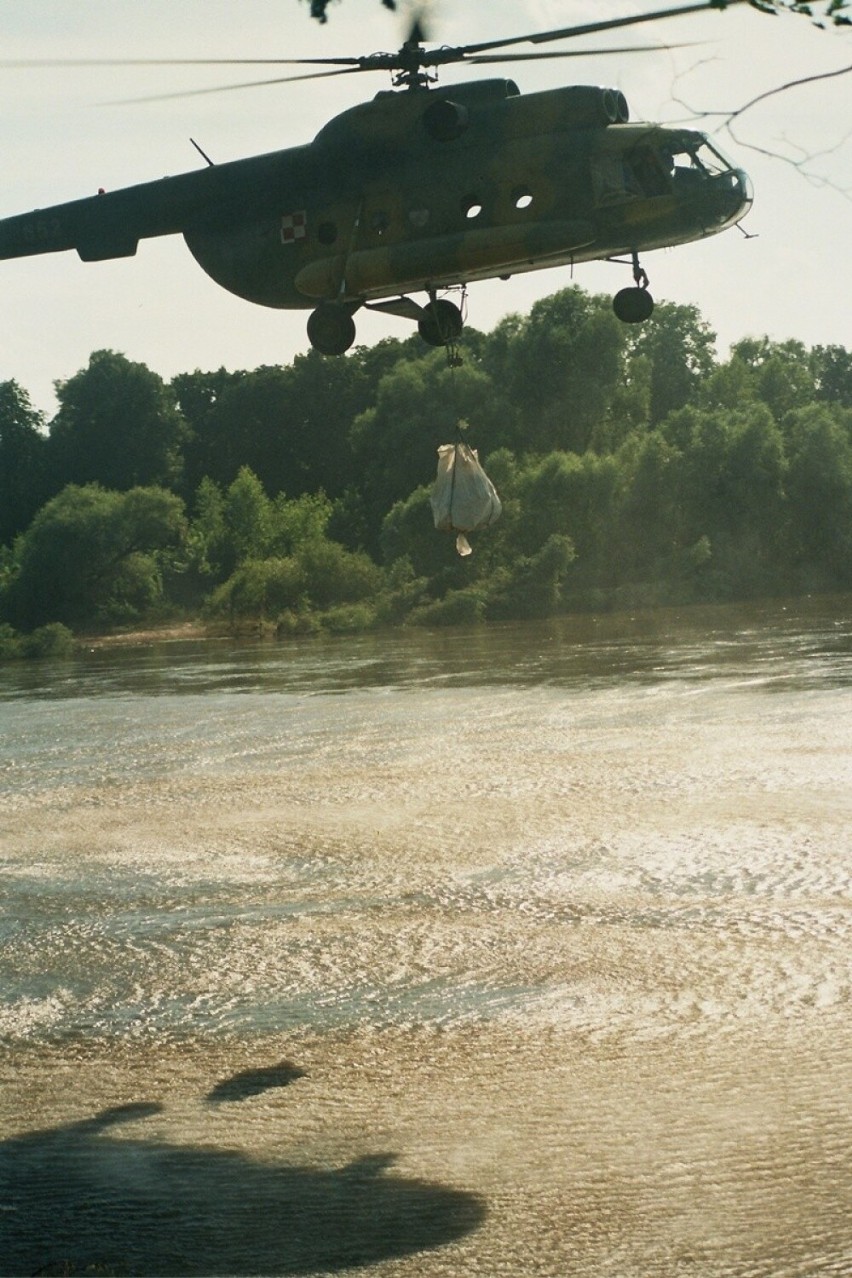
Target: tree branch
<point x="728" y="117"/>
<point x="782" y="88"/>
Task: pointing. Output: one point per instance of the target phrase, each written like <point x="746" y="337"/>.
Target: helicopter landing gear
<point x="331" y="328"/>
<point x="440" y="323"/>
<point x="633" y="305"/>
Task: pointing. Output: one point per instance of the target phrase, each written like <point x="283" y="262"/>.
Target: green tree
<point x="289" y="425"/>
<point x="299" y="521"/>
<point x="117" y="425"/>
<point x="334" y="575"/>
<point x="571" y="496"/>
<point x="325" y="397"/>
<point x="198" y="395"/>
<point x="647" y="515"/>
<point x="208" y="532"/>
<point x="248" y="517"/>
<point x="535" y="584"/>
<point x="729" y="385"/>
<point x="22" y="461"/>
<point x="819" y="496"/>
<point x="319" y="576"/>
<point x="679" y="347"/>
<point x="91" y="556"/>
<point x="629" y="408"/>
<point x="782" y="372"/>
<point x="559" y="369"/>
<point x="260" y="589"/>
<point x="833" y="372"/>
<point x="732" y="477"/>
<point x="408" y="533"/>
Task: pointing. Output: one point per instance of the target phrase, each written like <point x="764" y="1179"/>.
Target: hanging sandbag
<point x="463" y="497"/>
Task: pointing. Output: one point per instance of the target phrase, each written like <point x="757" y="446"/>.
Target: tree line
<point x="635" y="467"/>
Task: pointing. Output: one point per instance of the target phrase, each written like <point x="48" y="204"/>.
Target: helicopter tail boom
<point x="111" y="224"/>
<point x="98" y="227"/>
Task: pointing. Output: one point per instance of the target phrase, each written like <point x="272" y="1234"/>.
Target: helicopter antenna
<point x="202" y="153"/>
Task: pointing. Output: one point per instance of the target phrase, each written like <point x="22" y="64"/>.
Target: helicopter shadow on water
<point x="73" y="1201"/>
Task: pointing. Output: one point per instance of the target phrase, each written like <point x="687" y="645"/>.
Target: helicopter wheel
<point x="331" y="329"/>
<point x="440" y="323"/>
<point x="633" y="305"/>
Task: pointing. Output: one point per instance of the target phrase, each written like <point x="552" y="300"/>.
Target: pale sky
<point x="60" y="141"/>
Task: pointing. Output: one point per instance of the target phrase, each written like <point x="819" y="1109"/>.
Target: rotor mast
<point x="412" y="61"/>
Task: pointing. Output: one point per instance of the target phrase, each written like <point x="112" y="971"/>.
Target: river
<point x="524" y="950"/>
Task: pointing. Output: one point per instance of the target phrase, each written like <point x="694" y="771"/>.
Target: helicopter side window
<point x="613" y="179"/>
<point x="651" y="169"/>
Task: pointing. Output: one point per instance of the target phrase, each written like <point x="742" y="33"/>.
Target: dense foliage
<point x="634" y="466"/>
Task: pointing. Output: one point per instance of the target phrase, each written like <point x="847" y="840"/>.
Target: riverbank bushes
<point x="50" y="641"/>
<point x="635" y="467"/>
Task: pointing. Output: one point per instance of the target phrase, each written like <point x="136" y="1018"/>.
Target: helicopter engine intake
<point x="589" y="104"/>
<point x="445" y="120"/>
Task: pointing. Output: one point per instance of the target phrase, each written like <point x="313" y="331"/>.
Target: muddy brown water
<point x="521" y="951"/>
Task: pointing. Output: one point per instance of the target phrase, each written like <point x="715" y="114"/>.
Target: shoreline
<point x="169" y="633"/>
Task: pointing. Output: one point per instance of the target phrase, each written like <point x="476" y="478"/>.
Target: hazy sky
<point x="60" y="141"/>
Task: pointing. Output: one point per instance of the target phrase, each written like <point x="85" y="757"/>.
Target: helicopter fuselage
<point x="380" y="206"/>
<point x="419" y="190"/>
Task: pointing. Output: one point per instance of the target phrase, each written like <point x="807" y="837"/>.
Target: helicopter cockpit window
<point x="471" y="207"/>
<point x="696" y="161"/>
<point x="651" y="170"/>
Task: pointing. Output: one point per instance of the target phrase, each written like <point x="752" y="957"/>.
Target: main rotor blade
<point x="180" y="62"/>
<point x="380" y="60"/>
<point x="482" y="59"/>
<point x="479" y="59"/>
<point x="225" y="88"/>
<point x="410" y="57"/>
<point x="567" y="33"/>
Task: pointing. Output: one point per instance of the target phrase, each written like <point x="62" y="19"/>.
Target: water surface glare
<point x="523" y="950"/>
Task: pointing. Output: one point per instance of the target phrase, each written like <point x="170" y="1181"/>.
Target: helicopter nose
<point x="732" y="197"/>
<point x="745" y="191"/>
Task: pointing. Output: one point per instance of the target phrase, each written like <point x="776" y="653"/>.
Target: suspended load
<point x="463" y="497"/>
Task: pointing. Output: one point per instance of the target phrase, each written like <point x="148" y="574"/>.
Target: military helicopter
<point x="423" y="190"/>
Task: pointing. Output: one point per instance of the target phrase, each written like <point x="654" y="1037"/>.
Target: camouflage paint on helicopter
<point x="421" y="191"/>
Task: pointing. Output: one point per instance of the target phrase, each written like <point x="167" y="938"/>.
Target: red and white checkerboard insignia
<point x="294" y="226"/>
